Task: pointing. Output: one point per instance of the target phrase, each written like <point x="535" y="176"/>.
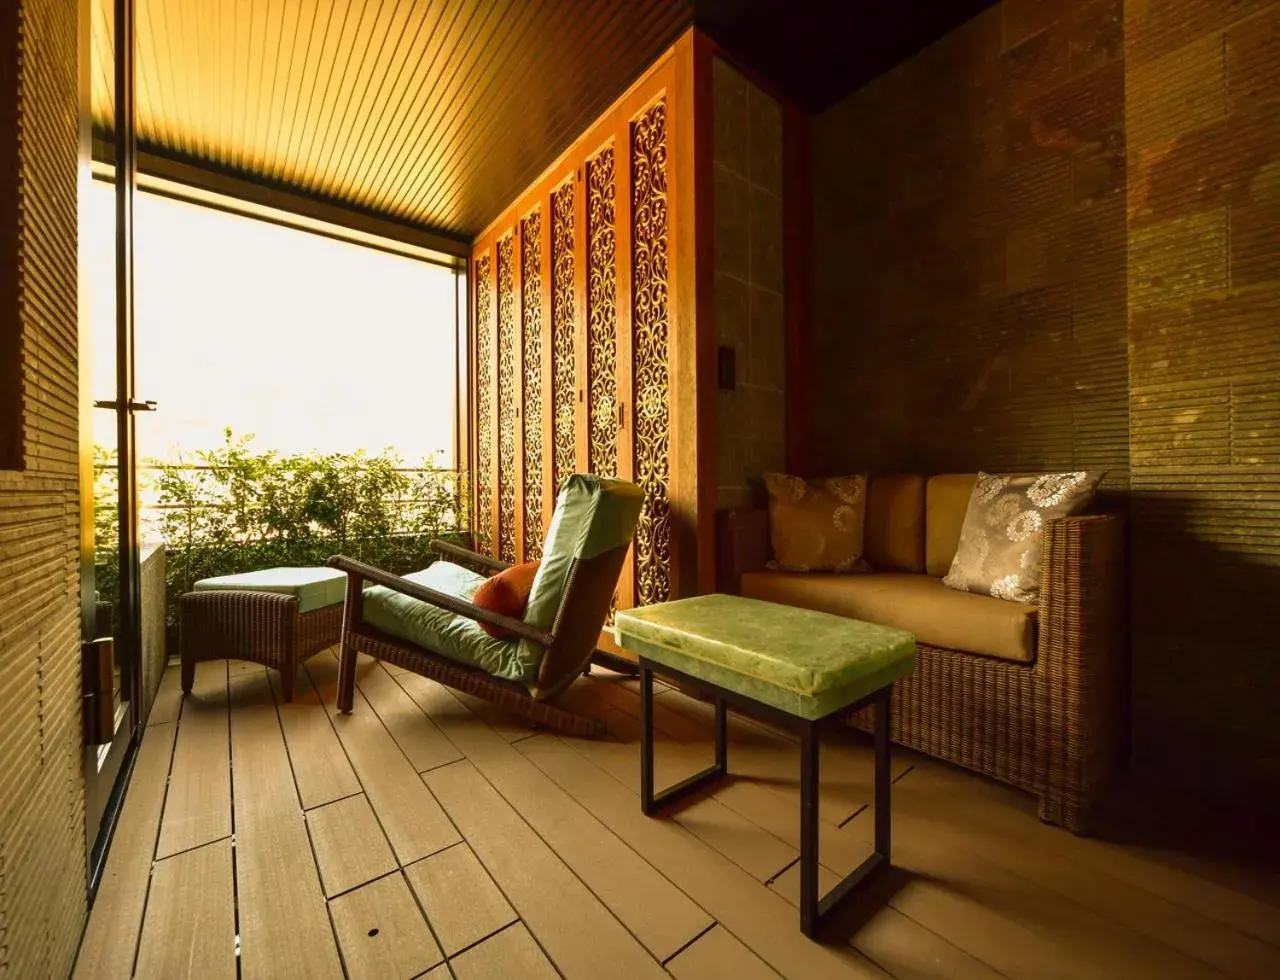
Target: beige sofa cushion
<point x="946" y="498"/>
<point x="894" y="536"/>
<point x="920" y="604"/>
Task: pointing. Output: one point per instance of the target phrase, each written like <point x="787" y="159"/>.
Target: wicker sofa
<point x="1030" y="695"/>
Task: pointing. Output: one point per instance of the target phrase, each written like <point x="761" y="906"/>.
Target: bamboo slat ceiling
<point x="430" y="112"/>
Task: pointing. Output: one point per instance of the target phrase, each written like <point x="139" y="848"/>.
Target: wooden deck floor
<point x="428" y="835"/>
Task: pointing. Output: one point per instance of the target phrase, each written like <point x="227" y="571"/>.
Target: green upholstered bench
<point x="277" y="617"/>
<point x="795" y="667"/>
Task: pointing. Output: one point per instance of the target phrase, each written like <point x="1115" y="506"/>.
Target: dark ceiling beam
<point x="818" y="51"/>
<point x="263" y="192"/>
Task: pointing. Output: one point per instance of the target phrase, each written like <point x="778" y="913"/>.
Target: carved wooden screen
<point x="507" y="397"/>
<point x="650" y="371"/>
<point x="587" y="337"/>
<point x="563" y="326"/>
<point x="531" y="346"/>
<point x="602" y="315"/>
<point x="483" y="523"/>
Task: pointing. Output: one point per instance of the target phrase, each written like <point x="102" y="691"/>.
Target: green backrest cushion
<point x="593" y="515"/>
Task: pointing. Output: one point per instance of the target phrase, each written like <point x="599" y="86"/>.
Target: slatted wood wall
<point x="1053" y="239"/>
<point x="42" y="852"/>
<point x="579" y="335"/>
<point x="1202" y="86"/>
<point x="969" y="260"/>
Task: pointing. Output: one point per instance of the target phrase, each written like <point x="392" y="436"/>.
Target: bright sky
<point x="304" y="341"/>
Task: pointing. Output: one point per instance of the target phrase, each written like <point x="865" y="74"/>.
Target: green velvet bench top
<point x="803" y="662"/>
<point x="315" y="588"/>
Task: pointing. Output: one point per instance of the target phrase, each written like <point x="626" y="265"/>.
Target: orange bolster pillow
<point x="506" y="593"/>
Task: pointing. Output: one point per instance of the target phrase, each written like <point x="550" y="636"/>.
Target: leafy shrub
<point x="234" y="509"/>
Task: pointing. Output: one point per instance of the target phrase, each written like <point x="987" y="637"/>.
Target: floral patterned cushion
<point x="816" y="525"/>
<point x="999" y="552"/>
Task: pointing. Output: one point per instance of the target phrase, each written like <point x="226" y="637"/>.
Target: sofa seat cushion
<point x="456" y="637"/>
<point x="919" y="604"/>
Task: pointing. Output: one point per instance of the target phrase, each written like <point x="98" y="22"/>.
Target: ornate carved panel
<point x="652" y="401"/>
<point x="484" y="408"/>
<point x="562" y="324"/>
<point x="531" y="283"/>
<point x="602" y="316"/>
<point x="506" y="400"/>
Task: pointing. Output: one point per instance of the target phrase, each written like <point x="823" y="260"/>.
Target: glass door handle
<point x="133" y="405"/>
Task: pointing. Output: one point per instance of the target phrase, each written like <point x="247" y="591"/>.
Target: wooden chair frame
<point x="571" y="639"/>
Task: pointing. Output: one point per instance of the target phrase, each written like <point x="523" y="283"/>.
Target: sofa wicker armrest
<point x="462" y="554"/>
<point x="1081" y="665"/>
<point x="742" y="545"/>
<point x="358" y="570"/>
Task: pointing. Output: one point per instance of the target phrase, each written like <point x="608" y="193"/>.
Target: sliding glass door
<point x="110" y="574"/>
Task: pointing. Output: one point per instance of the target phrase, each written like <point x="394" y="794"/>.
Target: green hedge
<point x="234" y="509"/>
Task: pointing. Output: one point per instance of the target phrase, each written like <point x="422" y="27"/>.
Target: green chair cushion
<point x="592" y="515"/>
<point x="806" y="663"/>
<point x="446" y="633"/>
<point x="315" y="588"/>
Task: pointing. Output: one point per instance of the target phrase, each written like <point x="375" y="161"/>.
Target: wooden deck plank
<point x="755" y="750"/>
<point x="656" y="912"/>
<point x="897" y="944"/>
<point x="417" y="737"/>
<point x="718" y="955"/>
<point x="168" y="700"/>
<point x="578" y="932"/>
<point x="462" y="903"/>
<point x="1020" y="849"/>
<point x="751" y="848"/>
<point x="1009" y="922"/>
<point x="349" y="845"/>
<point x="760" y="918"/>
<point x="511" y="953"/>
<point x="510" y="727"/>
<point x="197" y="809"/>
<point x="413" y="820"/>
<point x="382" y="933"/>
<point x="984" y="890"/>
<point x="771" y="812"/>
<point x="761" y="753"/>
<point x="284" y="924"/>
<point x="320" y="766"/>
<point x="982" y="803"/>
<point x="190" y="928"/>
<point x="111" y="937"/>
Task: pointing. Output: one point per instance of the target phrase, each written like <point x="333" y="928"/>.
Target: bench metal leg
<point x="649" y="803"/>
<point x="815" y="911"/>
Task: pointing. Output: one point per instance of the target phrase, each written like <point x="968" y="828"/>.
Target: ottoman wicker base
<point x="263" y="627"/>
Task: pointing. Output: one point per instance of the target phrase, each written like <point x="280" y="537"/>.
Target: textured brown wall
<point x="42" y="864"/>
<point x="750" y="435"/>
<point x="969" y="283"/>
<point x="1203" y="121"/>
<point x="1053" y="239"/>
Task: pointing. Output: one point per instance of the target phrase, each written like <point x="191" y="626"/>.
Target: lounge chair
<point x="425" y="622"/>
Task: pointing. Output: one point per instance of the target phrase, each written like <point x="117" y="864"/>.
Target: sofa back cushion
<point x="895" y="523"/>
<point x="946" y="499"/>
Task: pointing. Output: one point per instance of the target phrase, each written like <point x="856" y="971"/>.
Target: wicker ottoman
<point x="276" y="617"/>
<point x="800" y="669"/>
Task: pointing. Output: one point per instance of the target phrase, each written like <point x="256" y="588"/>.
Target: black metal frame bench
<point x="815" y="911"/>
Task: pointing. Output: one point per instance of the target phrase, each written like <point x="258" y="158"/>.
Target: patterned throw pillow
<point x="816" y="525"/>
<point x="999" y="551"/>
